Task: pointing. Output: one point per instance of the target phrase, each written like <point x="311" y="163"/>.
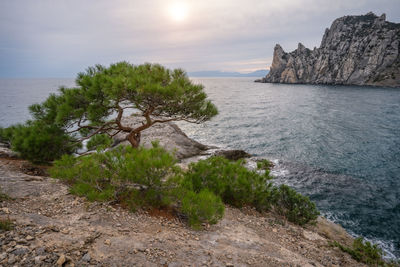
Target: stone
<point x="169" y="135"/>
<point x="11" y="259"/>
<point x="107" y="242"/>
<point x="29" y="238"/>
<point x="39" y="259"/>
<point x="61" y="260"/>
<point x="65" y="231"/>
<point x="355" y="50"/>
<point x="5" y="210"/>
<point x="233" y="154"/>
<point x="86" y="257"/>
<point x="3" y="256"/>
<point x="40" y="251"/>
<point x="20" y="251"/>
<point x="312" y="236"/>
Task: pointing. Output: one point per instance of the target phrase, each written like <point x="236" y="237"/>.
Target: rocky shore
<point x="55" y="228"/>
<point x="355" y="50"/>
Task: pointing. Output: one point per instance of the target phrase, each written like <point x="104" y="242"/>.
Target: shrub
<point x="6" y="134"/>
<point x="235" y="184"/>
<point x="364" y="251"/>
<point x="294" y="206"/>
<point x="264" y="164"/>
<point x="238" y="186"/>
<point x="118" y="172"/>
<point x="41" y="143"/>
<point x="202" y="207"/>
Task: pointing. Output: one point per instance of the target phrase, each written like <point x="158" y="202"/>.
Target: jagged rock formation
<point x="356" y="50"/>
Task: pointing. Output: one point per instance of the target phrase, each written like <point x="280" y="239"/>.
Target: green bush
<point x="142" y="177"/>
<point x="264" y="164"/>
<point x="40" y="143"/>
<point x="118" y="172"/>
<point x="364" y="251"/>
<point x="234" y="183"/>
<point x="294" y="206"/>
<point x="6" y="134"/>
<point x="238" y="186"/>
<point x="202" y="207"/>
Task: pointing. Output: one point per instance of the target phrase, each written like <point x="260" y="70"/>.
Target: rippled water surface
<point x="338" y="144"/>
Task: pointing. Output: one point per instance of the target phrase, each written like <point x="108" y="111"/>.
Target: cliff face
<point x="357" y="50"/>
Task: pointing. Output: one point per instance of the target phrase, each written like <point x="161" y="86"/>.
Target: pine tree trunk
<point x="134" y="139"/>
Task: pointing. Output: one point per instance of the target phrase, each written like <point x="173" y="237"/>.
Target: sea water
<point x="340" y="145"/>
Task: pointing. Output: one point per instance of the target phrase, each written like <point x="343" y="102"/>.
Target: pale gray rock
<point x="168" y="134"/>
<point x="355" y="50"/>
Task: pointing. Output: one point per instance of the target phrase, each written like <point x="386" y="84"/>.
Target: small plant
<point x="4" y="197"/>
<point x="365" y="252"/>
<point x="202" y="207"/>
<point x="264" y="164"/>
<point x="294" y="206"/>
<point x="6" y="225"/>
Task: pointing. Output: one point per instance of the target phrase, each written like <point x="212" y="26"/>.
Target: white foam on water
<point x="278" y="170"/>
<point x="387" y="246"/>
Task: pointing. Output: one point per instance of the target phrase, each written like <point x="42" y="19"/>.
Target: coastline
<point x="262" y="80"/>
<point x="51" y="220"/>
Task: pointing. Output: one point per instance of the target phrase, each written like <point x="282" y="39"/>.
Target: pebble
<point x="107" y="242"/>
<point x="3" y="256"/>
<point x="20" y="251"/>
<point x="86" y="257"/>
<point x="65" y="231"/>
<point x="40" y="251"/>
<point x="29" y="238"/>
<point x="6" y="210"/>
<point x="11" y="259"/>
<point x="39" y="259"/>
<point x="61" y="260"/>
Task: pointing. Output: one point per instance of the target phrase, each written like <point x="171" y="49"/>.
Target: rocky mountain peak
<point x="359" y="50"/>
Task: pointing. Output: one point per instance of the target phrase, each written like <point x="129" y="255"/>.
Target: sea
<point x="339" y="145"/>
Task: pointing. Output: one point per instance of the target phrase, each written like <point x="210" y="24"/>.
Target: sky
<point x="59" y="38"/>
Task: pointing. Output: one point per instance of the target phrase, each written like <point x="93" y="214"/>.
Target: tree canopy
<point x="97" y="104"/>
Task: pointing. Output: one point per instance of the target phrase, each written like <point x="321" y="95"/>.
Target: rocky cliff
<point x="356" y="50"/>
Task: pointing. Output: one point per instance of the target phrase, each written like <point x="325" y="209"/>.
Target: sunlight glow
<point x="178" y="11"/>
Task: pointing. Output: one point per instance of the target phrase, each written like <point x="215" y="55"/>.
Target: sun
<point x="178" y="11"/>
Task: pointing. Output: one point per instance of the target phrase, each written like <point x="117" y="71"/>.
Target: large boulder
<point x="169" y="135"/>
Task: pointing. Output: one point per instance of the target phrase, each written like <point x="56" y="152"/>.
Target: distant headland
<point x="355" y="50"/>
<point x="217" y="73"/>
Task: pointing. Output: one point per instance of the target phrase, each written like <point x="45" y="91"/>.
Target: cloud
<point x="60" y="38"/>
